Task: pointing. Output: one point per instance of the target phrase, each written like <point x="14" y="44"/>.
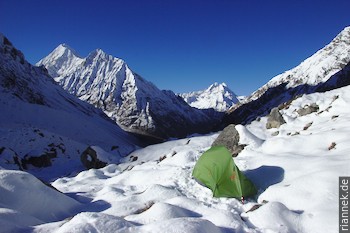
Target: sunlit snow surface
<point x="216" y="96"/>
<point x="152" y="189"/>
<point x="316" y="69"/>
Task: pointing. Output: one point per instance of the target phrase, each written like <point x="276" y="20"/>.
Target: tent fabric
<point x="217" y="171"/>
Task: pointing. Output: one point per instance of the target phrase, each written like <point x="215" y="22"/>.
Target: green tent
<point x="216" y="170"/>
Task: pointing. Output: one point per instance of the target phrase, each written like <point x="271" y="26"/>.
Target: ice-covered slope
<point x="327" y="69"/>
<point x="41" y="124"/>
<point x="134" y="103"/>
<point x="153" y="191"/>
<point x="217" y="96"/>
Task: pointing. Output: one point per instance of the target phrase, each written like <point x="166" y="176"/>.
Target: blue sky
<point x="181" y="45"/>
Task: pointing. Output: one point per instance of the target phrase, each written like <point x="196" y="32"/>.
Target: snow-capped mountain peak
<point x="135" y="104"/>
<point x="216" y="84"/>
<point x="327" y="69"/>
<point x="64" y="59"/>
<point x="316" y="69"/>
<point x="64" y="51"/>
<point x="217" y="96"/>
<point x="99" y="53"/>
<point x="38" y="115"/>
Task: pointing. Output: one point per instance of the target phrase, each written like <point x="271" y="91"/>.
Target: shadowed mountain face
<point x="137" y="105"/>
<point x="327" y="69"/>
<point x="41" y="125"/>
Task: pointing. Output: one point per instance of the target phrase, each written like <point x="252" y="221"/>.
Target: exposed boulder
<point x="90" y="160"/>
<point x="229" y="138"/>
<point x="308" y="109"/>
<point x="275" y="119"/>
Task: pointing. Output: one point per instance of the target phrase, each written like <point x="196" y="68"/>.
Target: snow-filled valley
<point x="295" y="170"/>
<point x="66" y="166"/>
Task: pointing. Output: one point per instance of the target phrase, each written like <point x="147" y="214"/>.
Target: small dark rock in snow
<point x="275" y="133"/>
<point x="308" y="109"/>
<point x="295" y="133"/>
<point x="335" y="98"/>
<point x="285" y="105"/>
<point x="307" y="125"/>
<point x="255" y="207"/>
<point x="161" y="158"/>
<point x="114" y="148"/>
<point x="275" y="119"/>
<point x="332" y="146"/>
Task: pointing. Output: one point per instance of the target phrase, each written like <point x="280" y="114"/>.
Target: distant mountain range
<point x="49" y="132"/>
<point x="43" y="125"/>
<point x="218" y="97"/>
<point x="137" y="105"/>
<point x="40" y="119"/>
<point x="327" y="69"/>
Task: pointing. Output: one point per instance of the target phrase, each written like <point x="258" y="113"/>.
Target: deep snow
<point x="152" y="190"/>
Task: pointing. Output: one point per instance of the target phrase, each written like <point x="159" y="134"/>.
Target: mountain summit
<point x="327" y="69"/>
<point x="216" y="96"/>
<point x="43" y="128"/>
<point x="137" y="105"/>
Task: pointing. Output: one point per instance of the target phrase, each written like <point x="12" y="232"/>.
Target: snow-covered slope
<point x="64" y="60"/>
<point x="41" y="124"/>
<point x="153" y="191"/>
<point x="134" y="103"/>
<point x="327" y="69"/>
<point x="217" y="96"/>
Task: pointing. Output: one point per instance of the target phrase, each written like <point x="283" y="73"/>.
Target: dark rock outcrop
<point x="229" y="138"/>
<point x="275" y="119"/>
<point x="308" y="109"/>
<point x="90" y="160"/>
<point x="43" y="160"/>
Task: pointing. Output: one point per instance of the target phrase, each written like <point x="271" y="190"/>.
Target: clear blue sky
<point x="181" y="45"/>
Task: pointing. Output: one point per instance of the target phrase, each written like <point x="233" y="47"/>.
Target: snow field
<point x="26" y="201"/>
<point x="152" y="190"/>
<point x="311" y="170"/>
<point x="156" y="194"/>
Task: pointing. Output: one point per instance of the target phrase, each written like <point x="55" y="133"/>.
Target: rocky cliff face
<point x="135" y="104"/>
<point x="327" y="69"/>
<point x="41" y="125"/>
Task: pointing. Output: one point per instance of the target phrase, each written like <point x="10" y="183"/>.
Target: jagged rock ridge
<point x="134" y="103"/>
<point x="41" y="125"/>
<point x="327" y="69"/>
